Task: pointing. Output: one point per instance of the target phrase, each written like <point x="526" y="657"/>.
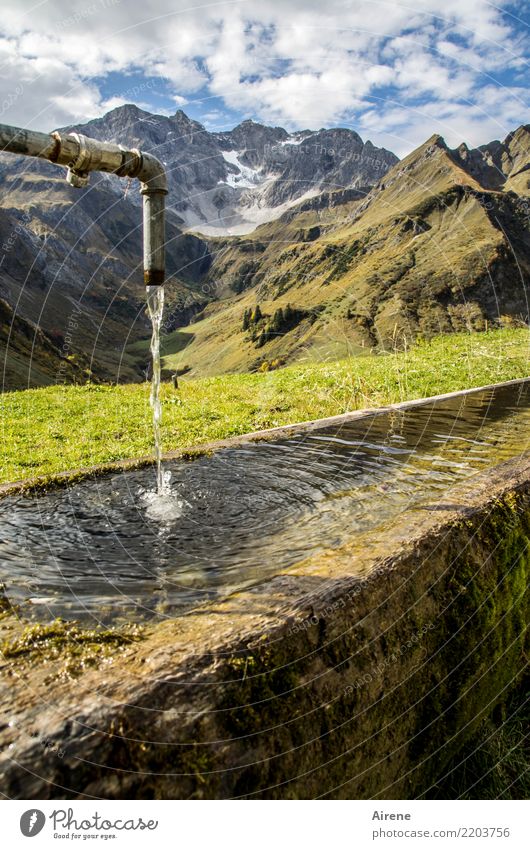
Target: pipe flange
<point x="84" y="156"/>
<point x="131" y="163"/>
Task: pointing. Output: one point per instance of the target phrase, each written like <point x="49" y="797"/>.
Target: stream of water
<point x="94" y="552"/>
<point x="155" y="309"/>
<point x="162" y="503"/>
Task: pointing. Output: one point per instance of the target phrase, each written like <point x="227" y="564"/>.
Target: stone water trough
<point x="358" y="673"/>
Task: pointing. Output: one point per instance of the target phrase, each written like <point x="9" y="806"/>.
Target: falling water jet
<point x="155" y="308"/>
<point x="161" y="504"/>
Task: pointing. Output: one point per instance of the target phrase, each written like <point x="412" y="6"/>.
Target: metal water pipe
<point x="81" y="155"/>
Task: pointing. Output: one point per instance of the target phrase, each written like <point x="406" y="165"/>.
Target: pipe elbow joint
<point x="152" y="175"/>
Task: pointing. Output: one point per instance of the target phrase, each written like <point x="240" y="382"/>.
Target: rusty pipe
<point x="81" y="155"/>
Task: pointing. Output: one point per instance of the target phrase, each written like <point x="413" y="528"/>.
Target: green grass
<point x="68" y="427"/>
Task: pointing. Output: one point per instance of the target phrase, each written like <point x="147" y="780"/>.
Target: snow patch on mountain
<point x="243" y="219"/>
<point x="247" y="177"/>
<point x="238" y="178"/>
<point x="295" y="140"/>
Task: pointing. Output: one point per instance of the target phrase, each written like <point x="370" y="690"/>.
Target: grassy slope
<point x="66" y="427"/>
<point x="30" y="357"/>
<point x="420" y="256"/>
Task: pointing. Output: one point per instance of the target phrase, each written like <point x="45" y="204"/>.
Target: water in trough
<point x="96" y="552"/>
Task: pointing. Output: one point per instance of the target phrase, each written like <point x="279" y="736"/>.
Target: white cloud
<point x="386" y="66"/>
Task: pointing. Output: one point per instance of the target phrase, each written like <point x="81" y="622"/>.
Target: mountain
<point x="27" y="349"/>
<point x="499" y="165"/>
<point x="342" y="247"/>
<point x="228" y="182"/>
<point x="440" y="244"/>
<point x="65" y="250"/>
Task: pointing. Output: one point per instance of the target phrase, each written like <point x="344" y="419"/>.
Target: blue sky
<point x="396" y="72"/>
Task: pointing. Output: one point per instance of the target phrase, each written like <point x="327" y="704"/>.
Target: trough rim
<point x="43" y="483"/>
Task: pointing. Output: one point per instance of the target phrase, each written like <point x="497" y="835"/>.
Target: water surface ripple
<point x="92" y="552"/>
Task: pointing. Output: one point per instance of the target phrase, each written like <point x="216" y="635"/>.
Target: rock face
<point x="440" y="244"/>
<point x="368" y="251"/>
<point x="62" y="247"/>
<point x="359" y="674"/>
<point x="499" y="164"/>
<point x="229" y="182"/>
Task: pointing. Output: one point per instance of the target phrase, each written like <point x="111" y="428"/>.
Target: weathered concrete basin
<point x="356" y="674"/>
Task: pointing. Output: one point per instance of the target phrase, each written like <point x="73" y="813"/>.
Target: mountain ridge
<point x="347" y="230"/>
<point x="230" y="181"/>
<point x="427" y="250"/>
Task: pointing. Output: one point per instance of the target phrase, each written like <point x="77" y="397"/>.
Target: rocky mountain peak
<point x="228" y="184"/>
<point x="232" y="181"/>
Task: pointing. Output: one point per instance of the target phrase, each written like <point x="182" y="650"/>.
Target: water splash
<point x="155" y="308"/>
